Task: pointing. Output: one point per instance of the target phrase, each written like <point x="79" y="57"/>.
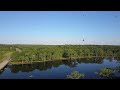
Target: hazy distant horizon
<point x="60" y="27"/>
<point x="63" y="44"/>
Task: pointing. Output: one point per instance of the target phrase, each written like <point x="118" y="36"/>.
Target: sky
<point x="60" y="27"/>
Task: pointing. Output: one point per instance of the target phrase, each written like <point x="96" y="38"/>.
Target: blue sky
<point x="60" y="27"/>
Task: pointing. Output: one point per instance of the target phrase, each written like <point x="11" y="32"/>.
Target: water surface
<point x="59" y="69"/>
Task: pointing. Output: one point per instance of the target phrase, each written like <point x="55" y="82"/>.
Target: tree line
<point x="30" y="53"/>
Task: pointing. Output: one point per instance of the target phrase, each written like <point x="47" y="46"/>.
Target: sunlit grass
<point x="5" y="55"/>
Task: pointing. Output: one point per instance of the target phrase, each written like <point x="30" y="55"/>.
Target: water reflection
<point x="49" y="65"/>
<point x="61" y="68"/>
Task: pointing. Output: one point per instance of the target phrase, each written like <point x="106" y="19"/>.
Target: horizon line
<point x="62" y="44"/>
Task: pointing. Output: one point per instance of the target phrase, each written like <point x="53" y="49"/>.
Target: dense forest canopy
<point x="30" y="53"/>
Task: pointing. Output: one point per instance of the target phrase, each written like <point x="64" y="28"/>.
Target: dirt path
<point x="5" y="61"/>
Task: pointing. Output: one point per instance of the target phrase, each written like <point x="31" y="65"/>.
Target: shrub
<point x="75" y="75"/>
<point x="105" y="72"/>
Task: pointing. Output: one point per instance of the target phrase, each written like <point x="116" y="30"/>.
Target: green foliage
<point x="57" y="52"/>
<point x="75" y="75"/>
<point x="105" y="72"/>
<point x="5" y="50"/>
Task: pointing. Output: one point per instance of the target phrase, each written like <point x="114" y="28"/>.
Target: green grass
<point x="5" y="55"/>
<point x="8" y="54"/>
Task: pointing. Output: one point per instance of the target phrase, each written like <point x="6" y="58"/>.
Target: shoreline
<point x="18" y="63"/>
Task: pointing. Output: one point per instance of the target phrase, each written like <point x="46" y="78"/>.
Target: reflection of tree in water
<point x="90" y="60"/>
<point x="22" y="68"/>
<point x="117" y="58"/>
<point x="110" y="58"/>
<point x="98" y="60"/>
<point x="50" y="64"/>
<point x="1" y="72"/>
<point x="27" y="67"/>
<point x="70" y="63"/>
<point x="40" y="66"/>
<point x="57" y="63"/>
<point x="32" y="67"/>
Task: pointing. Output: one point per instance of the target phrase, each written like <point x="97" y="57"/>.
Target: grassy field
<point x="3" y="57"/>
